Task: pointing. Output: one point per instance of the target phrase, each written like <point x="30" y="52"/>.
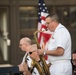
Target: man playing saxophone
<point x="58" y="48"/>
<point x="26" y="65"/>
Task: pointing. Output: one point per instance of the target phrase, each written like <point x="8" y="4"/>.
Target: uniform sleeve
<point x="61" y="38"/>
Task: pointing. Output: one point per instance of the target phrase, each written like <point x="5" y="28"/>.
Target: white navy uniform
<point x="29" y="62"/>
<point x="61" y="65"/>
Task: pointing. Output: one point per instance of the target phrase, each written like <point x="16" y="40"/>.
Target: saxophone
<point x="44" y="64"/>
<point x="34" y="64"/>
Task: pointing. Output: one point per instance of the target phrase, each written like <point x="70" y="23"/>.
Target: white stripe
<point x="44" y="14"/>
<point x="43" y="22"/>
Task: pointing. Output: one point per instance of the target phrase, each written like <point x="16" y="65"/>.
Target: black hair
<point x="74" y="51"/>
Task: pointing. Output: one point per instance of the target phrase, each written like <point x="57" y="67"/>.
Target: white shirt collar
<point x="59" y="27"/>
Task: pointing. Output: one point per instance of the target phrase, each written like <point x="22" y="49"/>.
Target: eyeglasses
<point x="47" y="23"/>
<point x="21" y="44"/>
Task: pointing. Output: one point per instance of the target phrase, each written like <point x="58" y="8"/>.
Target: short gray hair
<point x="27" y="40"/>
<point x="54" y="17"/>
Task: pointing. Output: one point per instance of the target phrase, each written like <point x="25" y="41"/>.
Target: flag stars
<point x="43" y="4"/>
<point x="43" y="10"/>
<point x="39" y="13"/>
<point x="40" y="8"/>
<point x="39" y="4"/>
<point x="45" y="7"/>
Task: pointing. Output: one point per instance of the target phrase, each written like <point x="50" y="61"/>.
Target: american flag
<point x="42" y="13"/>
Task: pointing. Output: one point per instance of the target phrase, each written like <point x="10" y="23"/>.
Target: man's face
<point x="23" y="46"/>
<point x="74" y="58"/>
<point x="50" y="24"/>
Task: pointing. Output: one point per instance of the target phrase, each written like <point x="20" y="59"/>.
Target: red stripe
<point x="44" y="26"/>
<point x="46" y="37"/>
<point x="40" y="35"/>
<point x="43" y="18"/>
<point x="46" y="57"/>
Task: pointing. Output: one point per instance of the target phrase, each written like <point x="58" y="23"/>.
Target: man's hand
<point x="21" y="67"/>
<point x="40" y="51"/>
<point x="33" y="48"/>
<point x="26" y="71"/>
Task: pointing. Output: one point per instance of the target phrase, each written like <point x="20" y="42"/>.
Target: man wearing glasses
<point x="58" y="48"/>
<point x="26" y="45"/>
